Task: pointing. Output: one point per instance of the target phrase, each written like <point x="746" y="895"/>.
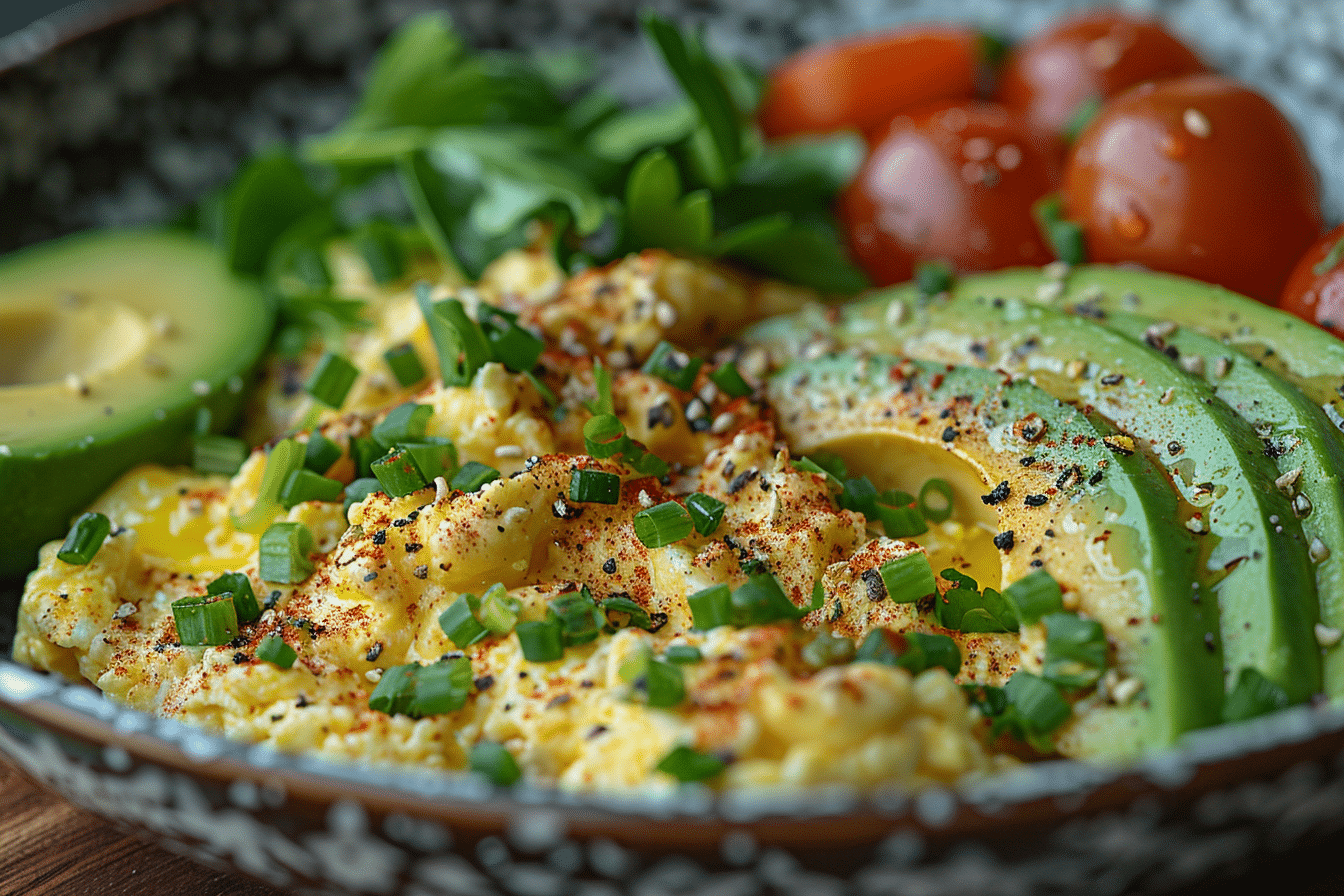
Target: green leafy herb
<point x="1252" y="695"/>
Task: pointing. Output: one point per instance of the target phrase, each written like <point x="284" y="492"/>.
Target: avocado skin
<point x="45" y="484"/>
<point x="1270" y="586"/>
<point x="1178" y="653"/>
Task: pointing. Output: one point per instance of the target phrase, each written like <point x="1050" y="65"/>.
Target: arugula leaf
<point x="658" y="215"/>
<point x="264" y="200"/>
<point x="624" y="136"/>
<point x="690" y="63"/>
<point x="1075" y="650"/>
<point x="802" y="175"/>
<point x="965" y="608"/>
<point x="806" y="253"/>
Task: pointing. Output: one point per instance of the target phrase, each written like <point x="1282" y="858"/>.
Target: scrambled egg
<point x="385" y="574"/>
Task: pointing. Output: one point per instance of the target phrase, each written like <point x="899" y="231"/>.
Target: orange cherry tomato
<point x="953" y="183"/>
<point x="861" y="82"/>
<point x="1088" y="58"/>
<point x="1198" y="175"/>
<point x="1315" y="289"/>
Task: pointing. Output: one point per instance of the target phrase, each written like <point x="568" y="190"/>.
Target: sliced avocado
<point x="1256" y="553"/>
<point x="1075" y="496"/>
<point x="110" y="342"/>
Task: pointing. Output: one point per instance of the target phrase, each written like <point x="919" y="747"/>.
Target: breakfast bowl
<point x="123" y="114"/>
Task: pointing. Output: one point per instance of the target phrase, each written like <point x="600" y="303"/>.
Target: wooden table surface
<point x="49" y="848"/>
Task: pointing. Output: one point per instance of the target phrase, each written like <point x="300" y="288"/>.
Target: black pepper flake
<point x="1273" y="451"/>
<point x="872" y="580"/>
<point x="728" y="470"/>
<point x="558" y="700"/>
<point x="1035" y="500"/>
<point x="1174" y="448"/>
<point x="1210" y="643"/>
<point x="1095" y="478"/>
<point x="239" y="659"/>
<point x="413" y="515"/>
<point x="563" y="510"/>
<point x="740" y="481"/>
<point x="301" y="702"/>
<point x="397" y="524"/>
<point x="380" y="537"/>
<point x="484" y="683"/>
<point x="421" y="571"/>
<point x="1113" y="379"/>
<point x="980" y="352"/>
<point x="998" y="495"/>
<point x="949" y="434"/>
<point x="271" y="600"/>
<point x="374" y="652"/>
<point x="765" y="484"/>
<point x="1072" y="474"/>
<point x="1049" y="533"/>
<point x="597" y="731"/>
<point x="371" y="576"/>
<point x="1028" y="460"/>
<point x="657" y="621"/>
<point x="609" y="566"/>
<point x="1004" y="540"/>
<point x="413" y="547"/>
<point x="1036" y="564"/>
<point x="661" y="415"/>
<point x="944" y="413"/>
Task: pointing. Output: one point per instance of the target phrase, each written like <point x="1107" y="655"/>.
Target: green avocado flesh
<point x="110" y="342"/>
<point x="1079" y="502"/>
<point x="1255" y="554"/>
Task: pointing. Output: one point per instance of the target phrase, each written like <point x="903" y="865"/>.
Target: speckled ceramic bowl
<point x="119" y="112"/>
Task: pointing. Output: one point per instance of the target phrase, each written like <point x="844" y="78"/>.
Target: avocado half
<point x="110" y="343"/>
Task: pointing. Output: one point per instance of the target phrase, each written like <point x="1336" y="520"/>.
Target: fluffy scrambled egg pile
<point x="385" y="571"/>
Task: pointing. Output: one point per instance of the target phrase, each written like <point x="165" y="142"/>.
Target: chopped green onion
<point x="673" y="366"/>
<point x="320" y="453"/>
<point x="472" y="476"/>
<point x="913" y="651"/>
<point x="933" y="278"/>
<point x="706" y="512"/>
<point x="761" y="600"/>
<point x="827" y="649"/>
<point x="405" y="364"/>
<point x="239" y="587"/>
<point x="604" y="436"/>
<point x="434" y="455"/>
<point x="859" y="494"/>
<point x="359" y="490"/>
<point x="942" y="510"/>
<point x="380" y="245"/>
<point x="1075" y="650"/>
<point x="399" y="474"/>
<point x="459" y="341"/>
<point x="638" y="458"/>
<point x="364" y="451"/>
<point x="900" y="521"/>
<point x="603" y="403"/>
<point x="1064" y="237"/>
<point x="418" y="691"/>
<point x="908" y="578"/>
<point x="85" y="538"/>
<point x="636" y="616"/>
<point x="594" y="486"/>
<point x="730" y="381"/>
<point x="283" y="553"/>
<point x="1038" y="704"/>
<point x="218" y="454"/>
<point x="406" y="422"/>
<point x="285" y="458"/>
<point x="711" y="607"/>
<point x="208" y="620"/>
<point x="275" y="651"/>
<point x="654" y="682"/>
<point x="683" y="654"/>
<point x="687" y="765"/>
<point x="514" y="346"/>
<point x="332" y="379"/>
<point x="832" y="465"/>
<point x="495" y="762"/>
<point x="1034" y="596"/>
<point x="540" y="641"/>
<point x="1252" y="695"/>
<point x="663" y="524"/>
<point x="499" y="610"/>
<point x="579" y="617"/>
<point x="459" y="622"/>
<point x="305" y="485"/>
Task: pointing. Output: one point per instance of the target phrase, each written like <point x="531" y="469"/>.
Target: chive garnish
<point x="472" y="476"/>
<point x="578" y="616"/>
<point x="406" y="422"/>
<point x="283" y="553"/>
<point x="1064" y="237"/>
<point x="434" y="455"/>
<point x="687" y="765"/>
<point x="405" y="364"/>
<point x="706" y="512"/>
<point x="399" y="474"/>
<point x="711" y="607"/>
<point x="459" y="622"/>
<point x="275" y="651"/>
<point x="218" y="454"/>
<point x="933" y="278"/>
<point x="360" y="489"/>
<point x="1252" y="695"/>
<point x="305" y="485"/>
<point x="495" y="762"/>
<point x="285" y="458"/>
<point x="1075" y="650"/>
<point x="331" y="379"/>
<point x="85" y="538"/>
<point x="207" y="620"/>
<point x="936" y="511"/>
<point x="729" y="380"/>
<point x="499" y="611"/>
<point x="239" y="588"/>
<point x="908" y="578"/>
<point x="540" y="641"/>
<point x="513" y="345"/>
<point x="1034" y="596"/>
<point x="683" y="654"/>
<point x="320" y="453"/>
<point x="663" y="524"/>
<point x="673" y="366"/>
<point x="604" y="436"/>
<point x="418" y="691"/>
<point x="595" y="487"/>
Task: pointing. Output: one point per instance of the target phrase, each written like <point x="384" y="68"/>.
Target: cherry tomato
<point x="1315" y="289"/>
<point x="861" y="82"/>
<point x="952" y="183"/>
<point x="1198" y="175"/>
<point x="1088" y="58"/>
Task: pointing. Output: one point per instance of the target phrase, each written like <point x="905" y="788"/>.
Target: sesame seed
<point x="1160" y="330"/>
<point x="1193" y="365"/>
<point x="722" y="423"/>
<point x="895" y="312"/>
<point x="1327" y="636"/>
<point x="1318" y="551"/>
<point x="644" y="500"/>
<point x="508" y="451"/>
<point x="1301" y="506"/>
<point x="708" y="392"/>
<point x="619" y="358"/>
<point x="442" y="491"/>
<point x="1049" y="292"/>
<point x="516" y="514"/>
<point x="1166" y="396"/>
<point x="124" y="611"/>
<point x="1125" y="690"/>
<point x="606" y="336"/>
<point x="1287" y="483"/>
<point x="1196" y="122"/>
<point x="1056" y="270"/>
<point x="665" y="314"/>
<point x="1222" y="366"/>
<point x="696" y="408"/>
<point x="5" y="451"/>
<point x="1195" y="525"/>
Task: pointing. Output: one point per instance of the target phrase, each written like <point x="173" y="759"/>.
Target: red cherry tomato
<point x="1197" y="175"/>
<point x="953" y="183"/>
<point x="861" y="82"/>
<point x="1090" y="57"/>
<point x="1315" y="289"/>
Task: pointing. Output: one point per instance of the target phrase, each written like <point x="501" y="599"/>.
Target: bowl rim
<point x="68" y="24"/>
